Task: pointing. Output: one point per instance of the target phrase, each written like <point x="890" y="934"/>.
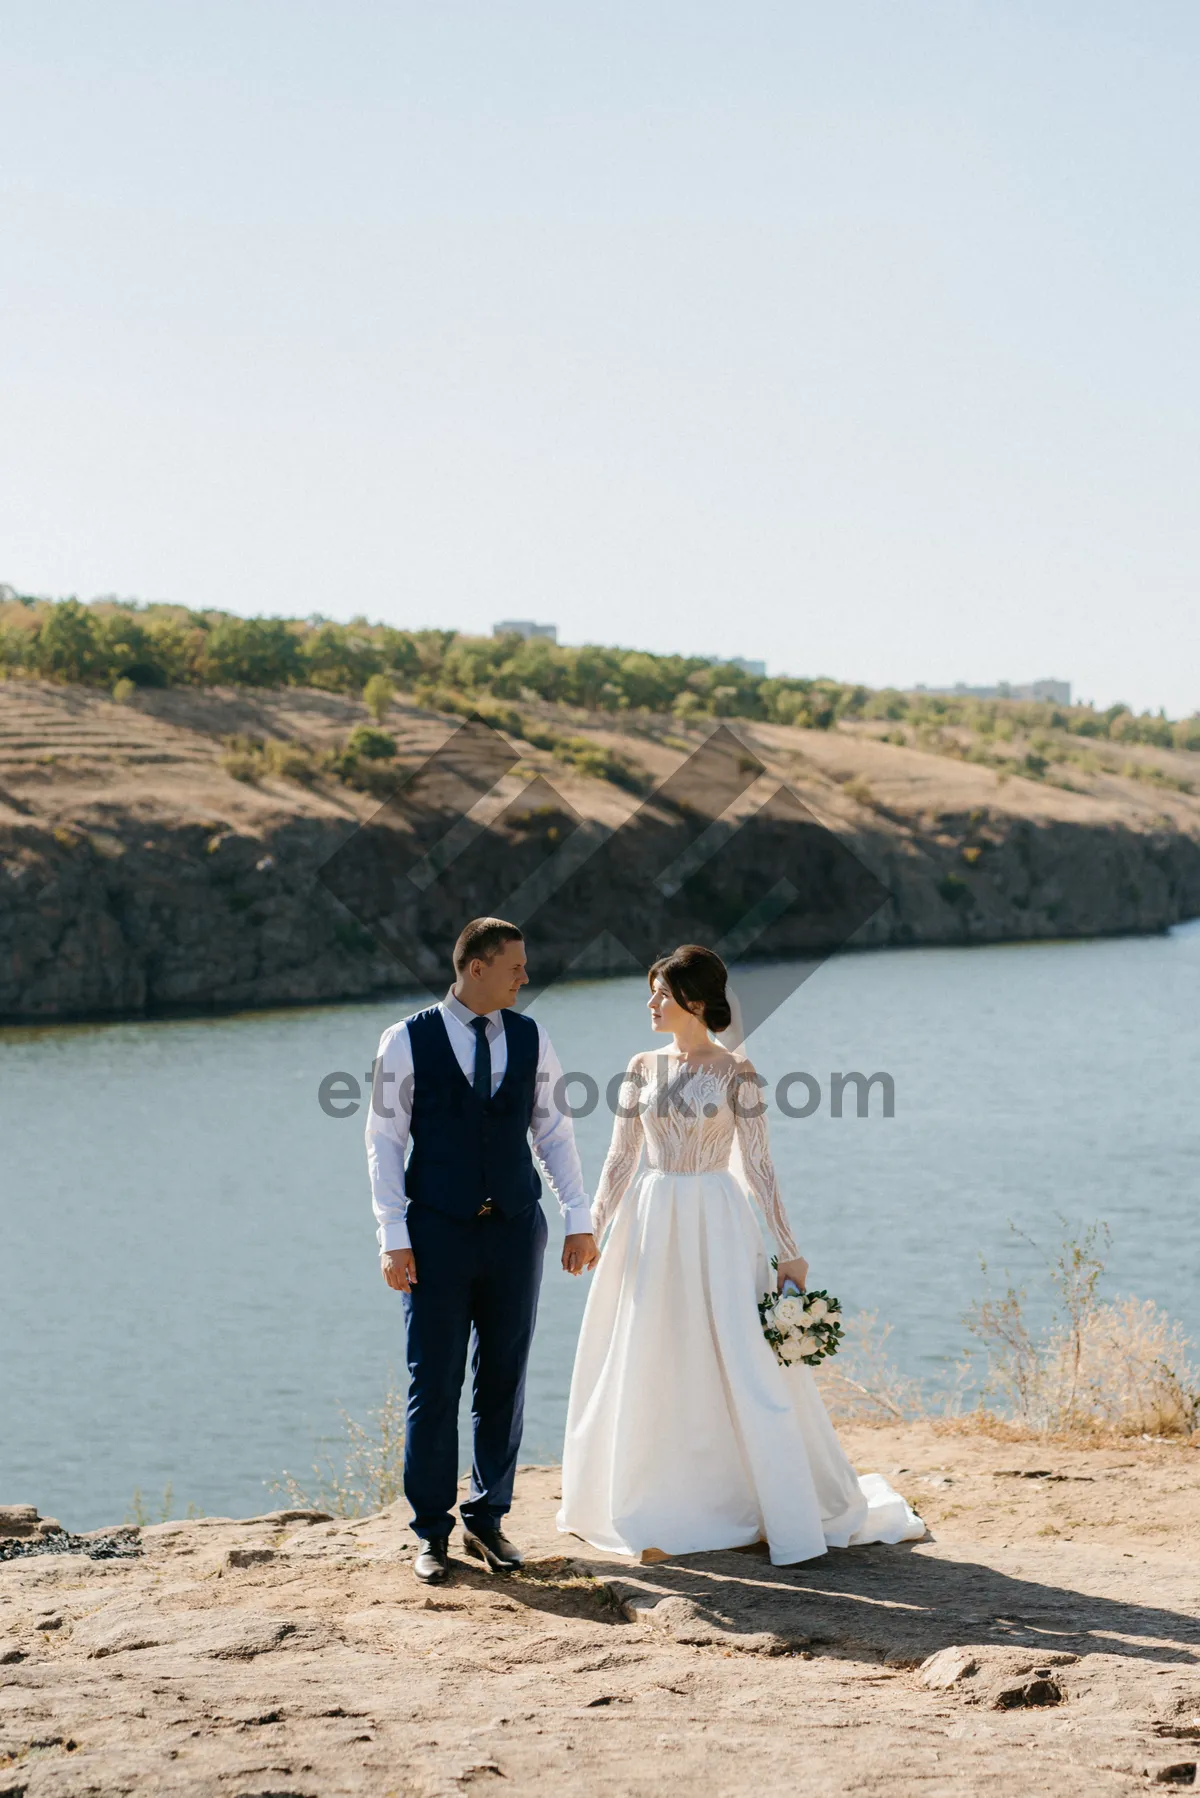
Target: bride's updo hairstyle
<point x="696" y="978"/>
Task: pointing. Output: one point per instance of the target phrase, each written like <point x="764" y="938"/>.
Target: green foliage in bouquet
<point x="801" y="1326"/>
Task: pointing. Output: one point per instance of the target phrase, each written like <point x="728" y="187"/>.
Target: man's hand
<point x="399" y="1269"/>
<point x="579" y="1252"/>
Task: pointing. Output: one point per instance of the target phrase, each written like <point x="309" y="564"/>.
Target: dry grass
<point x="859" y="789"/>
<point x="1133" y="1379"/>
<point x="1100" y="1368"/>
<point x="861" y="1384"/>
<point x="1135" y="1376"/>
<point x="368" y="1472"/>
<point x="249" y="758"/>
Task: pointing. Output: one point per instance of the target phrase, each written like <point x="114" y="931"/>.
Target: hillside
<point x="160" y="853"/>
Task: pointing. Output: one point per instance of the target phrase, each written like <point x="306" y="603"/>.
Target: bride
<point x="684" y="1432"/>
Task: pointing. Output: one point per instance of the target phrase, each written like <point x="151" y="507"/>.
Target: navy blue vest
<point x="466" y="1149"/>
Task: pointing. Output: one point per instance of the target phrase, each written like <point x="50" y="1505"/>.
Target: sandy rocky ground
<point x="1043" y="1639"/>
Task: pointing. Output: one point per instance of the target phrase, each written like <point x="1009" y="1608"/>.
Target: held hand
<point x="399" y="1269"/>
<point x="796" y="1270"/>
<point x="579" y="1252"/>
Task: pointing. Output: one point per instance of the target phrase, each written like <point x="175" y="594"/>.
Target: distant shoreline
<point x="412" y="998"/>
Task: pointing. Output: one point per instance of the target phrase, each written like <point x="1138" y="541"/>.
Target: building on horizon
<point x="525" y="627"/>
<point x="1053" y="692"/>
<point x="756" y="670"/>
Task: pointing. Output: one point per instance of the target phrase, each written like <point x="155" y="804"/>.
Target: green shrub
<point x="242" y="766"/>
<point x="337" y="658"/>
<point x="371" y="744"/>
<point x="68" y="644"/>
<point x="243" y="757"/>
<point x="291" y="760"/>
<point x="1153" y="776"/>
<point x="953" y="890"/>
<point x="380" y="778"/>
<point x="253" y="652"/>
<point x="124" y="690"/>
<point x="378" y="695"/>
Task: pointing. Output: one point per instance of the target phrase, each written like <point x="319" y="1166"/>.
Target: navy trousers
<point x="477" y="1287"/>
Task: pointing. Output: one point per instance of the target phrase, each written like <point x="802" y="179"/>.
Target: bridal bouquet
<point x="801" y="1326"/>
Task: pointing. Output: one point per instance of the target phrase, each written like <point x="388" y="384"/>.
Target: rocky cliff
<point x="137" y="875"/>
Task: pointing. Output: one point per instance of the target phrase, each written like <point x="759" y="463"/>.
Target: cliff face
<point x="1031" y="880"/>
<point x="134" y="886"/>
<point x="109" y="923"/>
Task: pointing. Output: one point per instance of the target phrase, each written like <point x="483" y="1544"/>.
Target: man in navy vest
<point x="462" y="1233"/>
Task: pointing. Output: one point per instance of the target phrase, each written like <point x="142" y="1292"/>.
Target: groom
<point x="461" y="1232"/>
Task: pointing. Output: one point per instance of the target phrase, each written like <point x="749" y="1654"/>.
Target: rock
<point x="948" y="1667"/>
<point x="1039" y="1690"/>
<point x="19" y="1520"/>
<point x="294" y="1517"/>
<point x="10" y="1652"/>
<point x="691" y="1626"/>
<point x="123" y="1637"/>
<point x="243" y="1638"/>
<point x="1005" y="1678"/>
<point x="669" y="1613"/>
<point x="249" y="1557"/>
<point x="1179" y="1773"/>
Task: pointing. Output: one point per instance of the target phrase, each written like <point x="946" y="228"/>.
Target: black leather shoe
<point x="493" y="1547"/>
<point x="432" y="1565"/>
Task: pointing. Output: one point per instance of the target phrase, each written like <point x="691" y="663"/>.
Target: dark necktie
<point x="482" y="1082"/>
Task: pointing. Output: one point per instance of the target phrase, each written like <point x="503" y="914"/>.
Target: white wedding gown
<point x="684" y="1432"/>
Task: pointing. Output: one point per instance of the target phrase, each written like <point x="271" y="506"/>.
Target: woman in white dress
<point x="684" y="1432"/>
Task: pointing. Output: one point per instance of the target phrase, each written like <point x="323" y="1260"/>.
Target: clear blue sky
<point x="861" y="337"/>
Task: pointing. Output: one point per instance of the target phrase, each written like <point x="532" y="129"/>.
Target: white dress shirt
<point x="551" y="1131"/>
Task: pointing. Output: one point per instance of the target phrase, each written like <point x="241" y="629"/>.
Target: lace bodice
<point x="686" y="1119"/>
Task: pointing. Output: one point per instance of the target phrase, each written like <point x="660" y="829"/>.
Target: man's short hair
<point x="481" y="939"/>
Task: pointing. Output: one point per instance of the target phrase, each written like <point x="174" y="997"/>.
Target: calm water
<point x="188" y="1284"/>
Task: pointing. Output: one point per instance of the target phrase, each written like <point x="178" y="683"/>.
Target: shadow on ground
<point x="896" y="1604"/>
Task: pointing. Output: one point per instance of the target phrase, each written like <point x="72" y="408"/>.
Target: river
<point x="188" y="1284"/>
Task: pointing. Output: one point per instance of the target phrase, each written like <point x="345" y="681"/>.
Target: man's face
<point x="498" y="981"/>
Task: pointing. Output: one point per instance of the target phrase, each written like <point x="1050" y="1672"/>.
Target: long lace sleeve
<point x="751" y="1126"/>
<point x="624" y="1150"/>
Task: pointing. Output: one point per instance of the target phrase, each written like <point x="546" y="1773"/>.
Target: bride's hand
<point x="796" y="1270"/>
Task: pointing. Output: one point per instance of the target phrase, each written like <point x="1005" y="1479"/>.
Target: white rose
<point x="817" y="1310"/>
<point x="809" y="1345"/>
<point x="790" y="1310"/>
<point x="790" y="1350"/>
